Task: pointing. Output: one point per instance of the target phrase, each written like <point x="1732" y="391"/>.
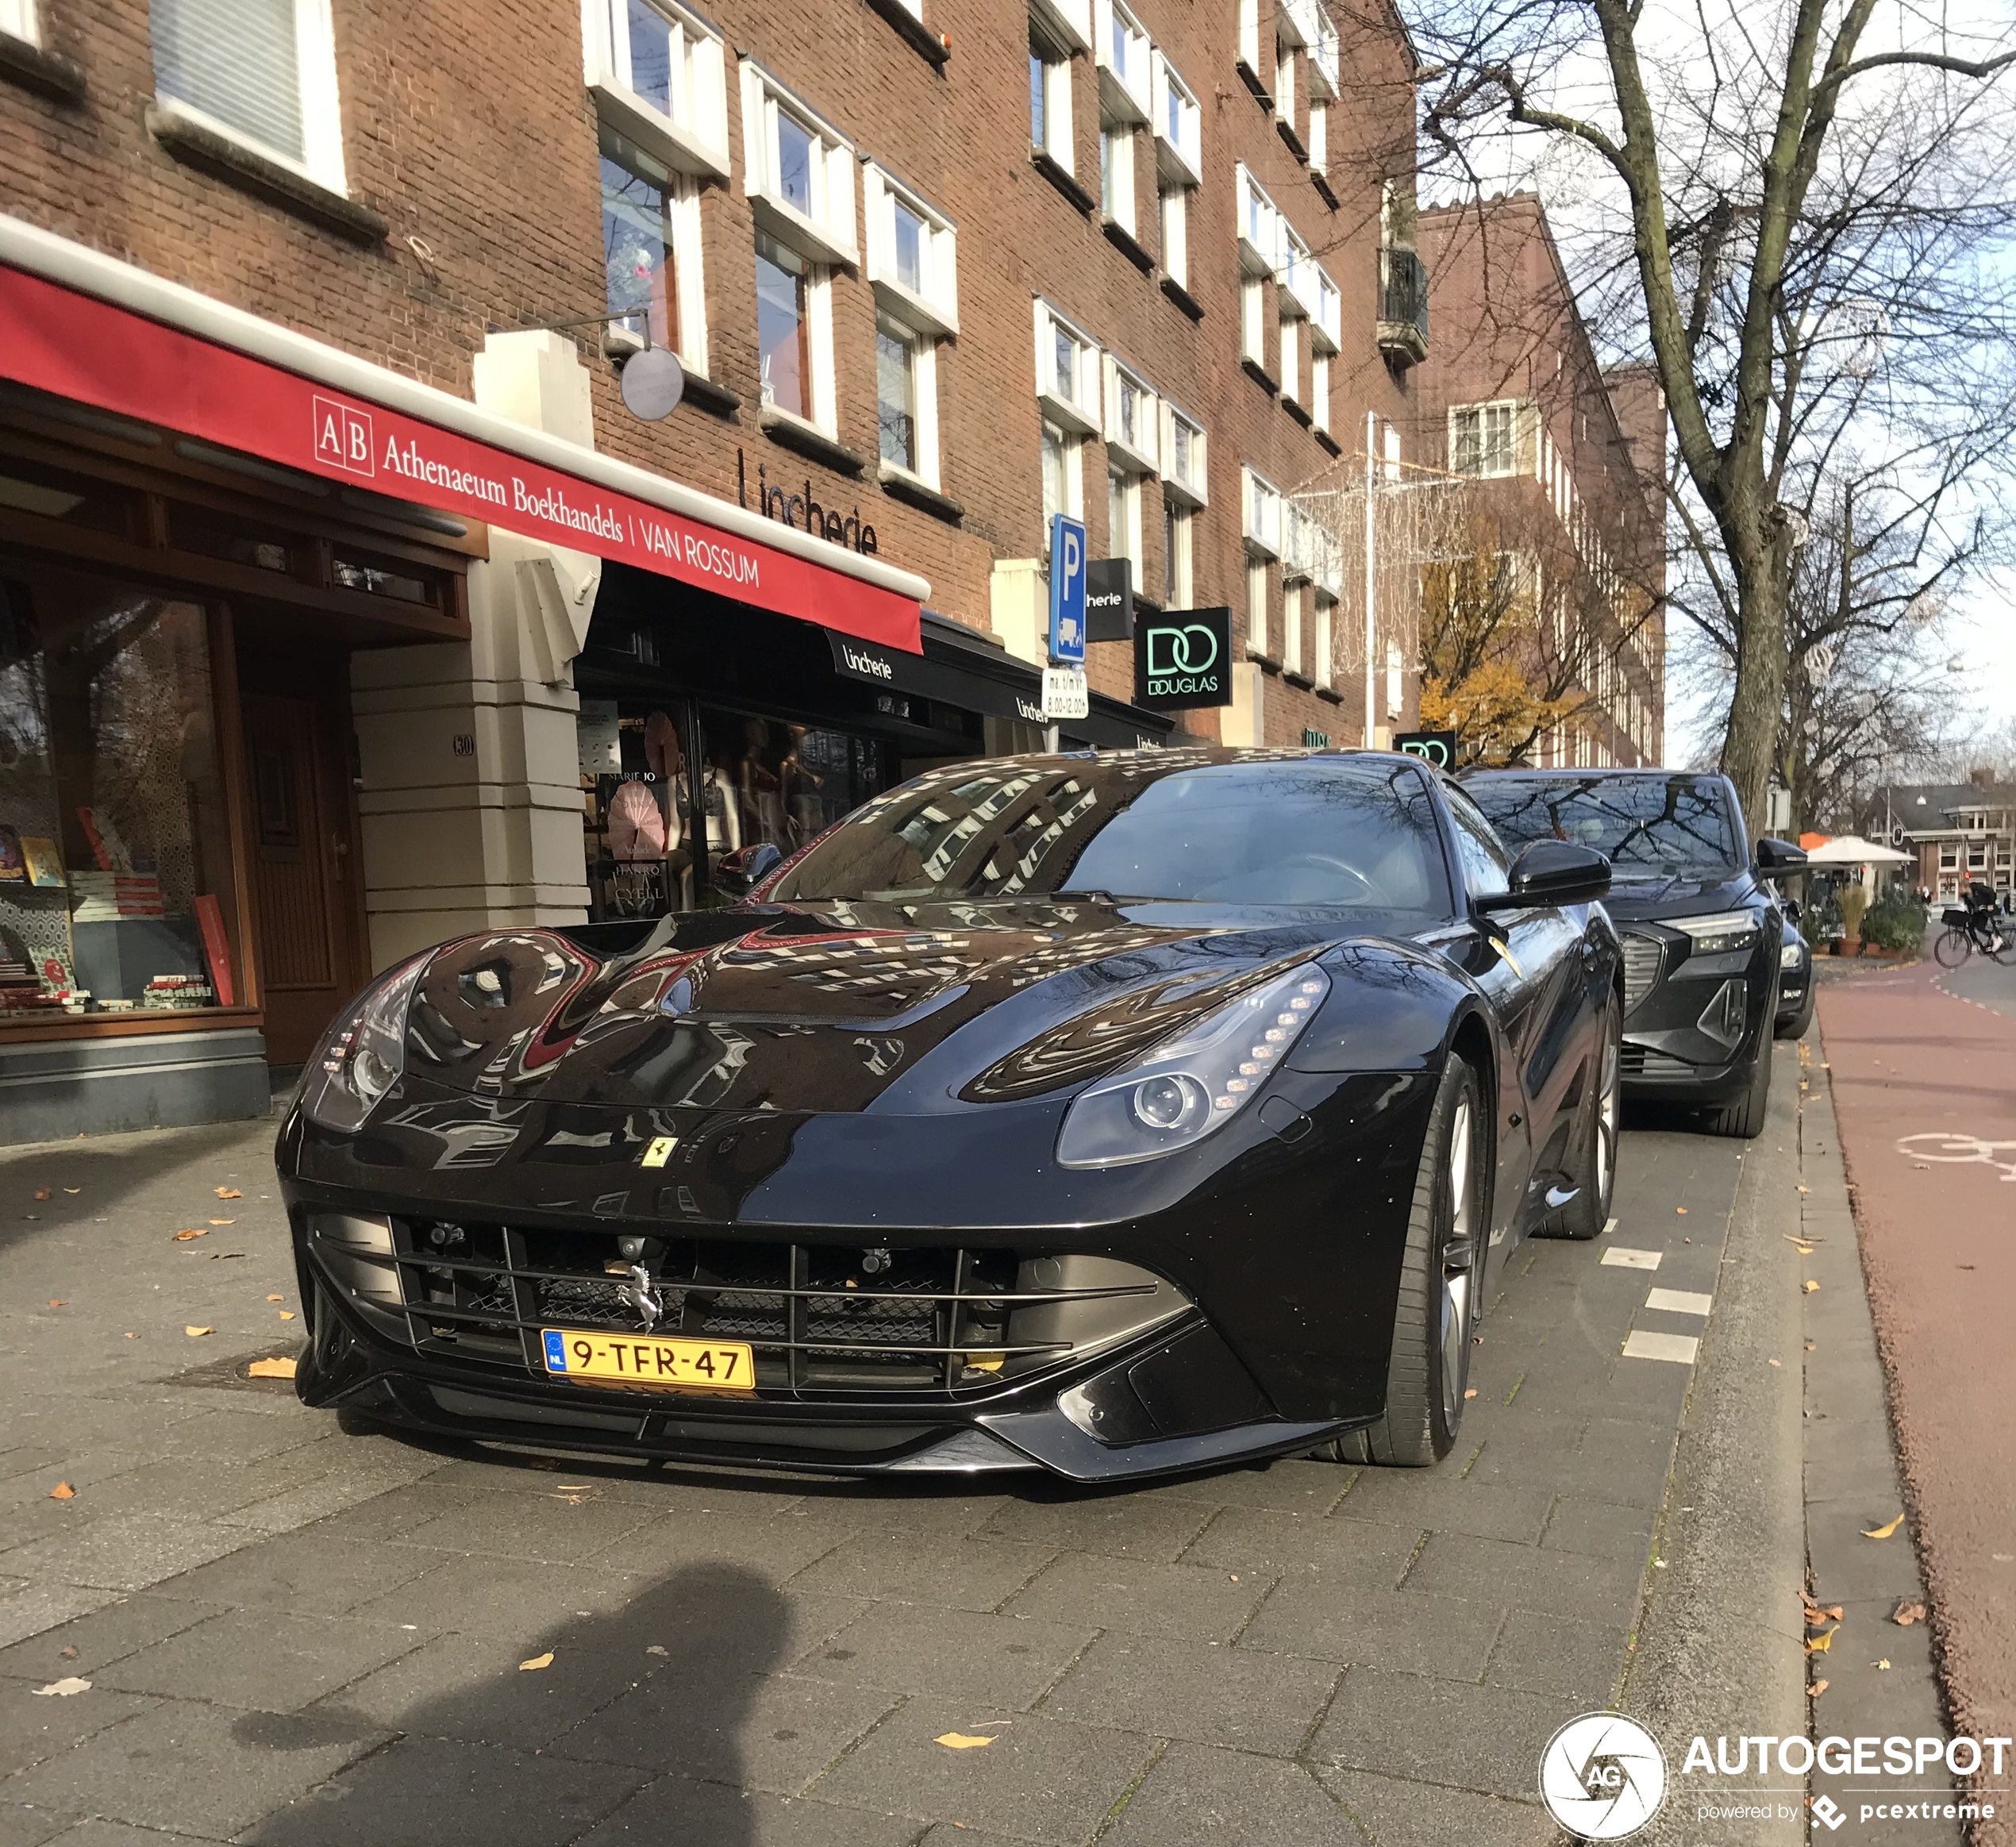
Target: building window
<point x="1116" y="174"/>
<point x="1182" y="456"/>
<point x="18" y="21"/>
<point x="1064" y="477"/>
<point x="1290" y="357"/>
<point x="1255" y="50"/>
<point x="797" y="171"/>
<point x="1252" y="321"/>
<point x="262" y="72"/>
<point x="1291" y="597"/>
<point x="1179" y="134"/>
<point x="1123" y="518"/>
<point x="1256" y="608"/>
<point x="651" y="249"/>
<point x="658" y="76"/>
<point x="1319" y="136"/>
<point x="1134" y="422"/>
<point x="783" y="327"/>
<point x="1259" y="226"/>
<point x="1176" y="234"/>
<point x="1324" y="668"/>
<point x="1263" y="516"/>
<point x="1049" y="93"/>
<point x="1067" y="372"/>
<point x="895" y="395"/>
<point x="1483" y="438"/>
<point x="1177" y="520"/>
<point x="1319" y="390"/>
<point x="1121" y="55"/>
<point x="1284" y="85"/>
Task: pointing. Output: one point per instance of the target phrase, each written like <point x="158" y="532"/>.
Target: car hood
<point x="1634" y="899"/>
<point x="838" y="1007"/>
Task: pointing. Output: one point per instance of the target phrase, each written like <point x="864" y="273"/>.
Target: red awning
<point x="78" y="347"/>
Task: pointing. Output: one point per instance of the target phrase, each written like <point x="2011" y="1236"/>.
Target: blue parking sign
<point x="1067" y="568"/>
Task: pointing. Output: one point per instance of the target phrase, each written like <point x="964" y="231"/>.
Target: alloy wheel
<point x="1459" y="1261"/>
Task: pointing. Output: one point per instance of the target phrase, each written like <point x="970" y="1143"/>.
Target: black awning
<point x="960" y="667"/>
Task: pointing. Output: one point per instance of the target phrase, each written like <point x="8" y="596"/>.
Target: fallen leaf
<point x="287" y="1314"/>
<point x="1809" y="1346"/>
<point x="1883" y="1532"/>
<point x="1470" y="1391"/>
<point x="1681" y="1209"/>
<point x="198" y="1333"/>
<point x="960" y="1741"/>
<point x="1906" y="1614"/>
<point x="1817" y="1688"/>
<point x="1819" y="1645"/>
<point x="1805" y="1189"/>
<point x="1774" y="1362"/>
<point x="193" y="1231"/>
<point x="536" y="1662"/>
<point x="132" y="1336"/>
<point x="1809" y="1286"/>
<point x="654" y="1649"/>
<point x="63" y="1689"/>
<point x="59" y="1301"/>
<point x="1884" y="1664"/>
<point x="272" y="1369"/>
<point x="276" y="1298"/>
<point x="41" y="1192"/>
<point x="228" y="1193"/>
<point x="63" y="1491"/>
<point x="68" y="1652"/>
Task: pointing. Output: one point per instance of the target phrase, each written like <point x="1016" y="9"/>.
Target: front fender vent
<point x="1644" y="958"/>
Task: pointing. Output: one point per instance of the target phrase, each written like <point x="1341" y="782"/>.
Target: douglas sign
<point x="1183" y="659"/>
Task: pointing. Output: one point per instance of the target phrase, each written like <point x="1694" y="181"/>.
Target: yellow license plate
<point x="634" y="1360"/>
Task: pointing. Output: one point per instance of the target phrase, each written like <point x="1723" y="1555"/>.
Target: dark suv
<point x="1703" y="932"/>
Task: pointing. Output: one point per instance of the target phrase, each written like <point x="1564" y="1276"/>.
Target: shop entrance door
<point x="309" y="959"/>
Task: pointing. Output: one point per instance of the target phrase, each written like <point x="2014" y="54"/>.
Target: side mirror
<point x="1778" y="856"/>
<point x="1792" y="908"/>
<point x="740" y="872"/>
<point x="1552" y="871"/>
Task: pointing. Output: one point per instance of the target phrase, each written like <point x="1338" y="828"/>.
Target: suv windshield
<point x="1646" y="825"/>
<point x="1158" y="825"/>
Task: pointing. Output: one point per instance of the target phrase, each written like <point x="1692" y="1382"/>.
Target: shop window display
<point x="115" y="858"/>
<point x="657" y="779"/>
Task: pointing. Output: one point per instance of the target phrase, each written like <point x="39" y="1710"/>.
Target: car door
<point x="1527" y="961"/>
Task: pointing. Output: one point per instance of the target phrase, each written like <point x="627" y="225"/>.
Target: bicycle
<point x="1969" y="928"/>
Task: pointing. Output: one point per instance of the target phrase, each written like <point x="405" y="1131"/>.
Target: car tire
<point x="1595" y="1177"/>
<point x="1796" y="1026"/>
<point x="1744" y="1119"/>
<point x="1440" y="1271"/>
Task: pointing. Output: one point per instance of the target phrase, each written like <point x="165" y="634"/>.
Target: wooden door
<point x="309" y="958"/>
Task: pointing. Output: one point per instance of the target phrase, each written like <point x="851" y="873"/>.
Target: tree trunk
<point x="1757" y="710"/>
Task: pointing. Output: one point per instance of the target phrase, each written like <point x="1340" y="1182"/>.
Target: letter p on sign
<point x="1068" y="576"/>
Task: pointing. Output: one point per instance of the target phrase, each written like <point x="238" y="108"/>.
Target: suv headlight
<point x="1194" y="1081"/>
<point x="1789" y="955"/>
<point x="364" y="1053"/>
<point x="1726" y="930"/>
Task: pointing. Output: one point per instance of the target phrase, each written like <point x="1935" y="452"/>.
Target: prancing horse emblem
<point x="639" y="1293"/>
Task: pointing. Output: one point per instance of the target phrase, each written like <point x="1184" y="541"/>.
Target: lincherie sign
<point x="57" y="340"/>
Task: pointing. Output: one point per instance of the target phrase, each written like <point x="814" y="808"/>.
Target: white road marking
<point x="1681" y="1302"/>
<point x="1610" y="1225"/>
<point x="1623" y="1257"/>
<point x="1680" y="1347"/>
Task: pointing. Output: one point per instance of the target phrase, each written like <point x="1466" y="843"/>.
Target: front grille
<point x="820" y="1318"/>
<point x="1643" y="957"/>
<point x="1640" y="1061"/>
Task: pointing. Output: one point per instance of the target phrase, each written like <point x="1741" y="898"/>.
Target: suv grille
<point x="1640" y="1061"/>
<point x="821" y="1318"/>
<point x="1643" y="957"/>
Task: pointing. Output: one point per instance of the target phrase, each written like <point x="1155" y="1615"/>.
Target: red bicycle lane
<point x="1925" y="1094"/>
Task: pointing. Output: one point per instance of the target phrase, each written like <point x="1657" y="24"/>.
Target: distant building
<point x="1962" y="833"/>
<point x="1512" y="392"/>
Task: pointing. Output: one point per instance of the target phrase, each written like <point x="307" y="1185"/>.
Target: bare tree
<point x="1807" y="200"/>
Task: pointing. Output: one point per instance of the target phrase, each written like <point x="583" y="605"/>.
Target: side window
<point x="1486" y="867"/>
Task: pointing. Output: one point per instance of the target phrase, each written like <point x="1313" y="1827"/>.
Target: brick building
<point x="1573" y="457"/>
<point x="1959" y="833"/>
<point x="348" y="605"/>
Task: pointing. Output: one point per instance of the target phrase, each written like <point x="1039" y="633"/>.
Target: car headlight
<point x="1728" y="930"/>
<point x="364" y="1053"/>
<point x="1194" y="1081"/>
<point x="1790" y="956"/>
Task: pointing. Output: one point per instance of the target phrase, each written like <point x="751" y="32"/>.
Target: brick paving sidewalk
<point x="296" y="1635"/>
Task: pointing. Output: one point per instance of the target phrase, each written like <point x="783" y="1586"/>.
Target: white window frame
<point x="825" y="234"/>
<point x="1254" y="17"/>
<point x="1179" y="551"/>
<point x="1327" y="313"/>
<point x="923" y="391"/>
<point x="1512" y="411"/>
<point x="1291" y="601"/>
<point x="1252" y="320"/>
<point x="1059" y="135"/>
<point x="693" y="135"/>
<point x="322" y="114"/>
<point x="1319" y="391"/>
<point x="1325" y="645"/>
<point x="1284" y="80"/>
<point x="1190" y="487"/>
<point x="936" y="309"/>
<point x="1290" y="362"/>
<point x="1259" y="513"/>
<point x="689" y="275"/>
<point x="1174" y="201"/>
<point x="1256" y="608"/>
<point x="819" y="347"/>
<point x="1324" y="75"/>
<point x="1068" y="21"/>
<point x="1260" y="225"/>
<point x="1121" y="55"/>
<point x="1319" y="132"/>
<point x="17" y="20"/>
<point x="1127" y="542"/>
<point x="1140" y="454"/>
<point x="1116" y="187"/>
<point x="1178" y="148"/>
<point x="1073" y="404"/>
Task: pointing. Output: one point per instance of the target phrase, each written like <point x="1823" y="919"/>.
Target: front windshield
<point x="1646" y="825"/>
<point x="1165" y="825"/>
